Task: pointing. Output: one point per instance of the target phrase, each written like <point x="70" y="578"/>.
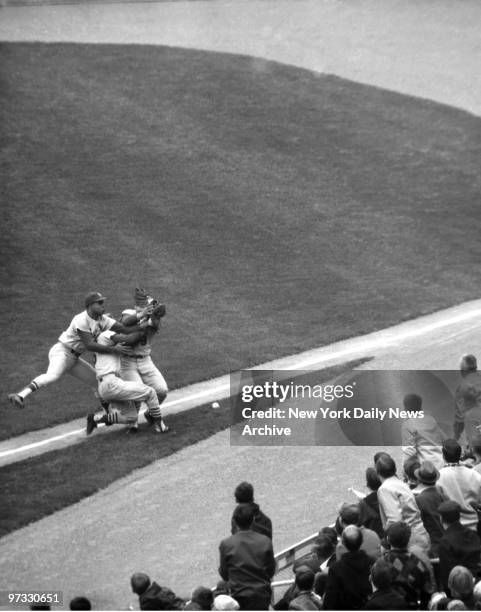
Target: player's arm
<point x="127" y="321"/>
<point x="154" y="322"/>
<point x="128" y="339"/>
<point x="90" y="344"/>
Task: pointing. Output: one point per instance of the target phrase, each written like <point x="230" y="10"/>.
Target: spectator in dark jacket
<point x="247" y="562"/>
<point x="384" y="596"/>
<point x="305" y="598"/>
<point x="412" y="575"/>
<point x="458" y="546"/>
<point x="349" y="514"/>
<point x="152" y="596"/>
<point x="244" y="494"/>
<point x="428" y="498"/>
<point x="370" y="516"/>
<point x="348" y="586"/>
<point x="326" y="551"/>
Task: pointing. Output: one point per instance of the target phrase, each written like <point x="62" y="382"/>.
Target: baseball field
<point x="273" y="208"/>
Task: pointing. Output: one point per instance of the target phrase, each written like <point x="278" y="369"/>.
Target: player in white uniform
<point x="81" y="334"/>
<point x="114" y="389"/>
<point x="138" y="365"/>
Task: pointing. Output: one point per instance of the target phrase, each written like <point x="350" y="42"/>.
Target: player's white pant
<point x="62" y="360"/>
<point x="142" y="369"/>
<point x="113" y="388"/>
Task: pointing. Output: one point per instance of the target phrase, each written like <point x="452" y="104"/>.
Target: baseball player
<point x="138" y="365"/>
<point x="81" y="334"/>
<point x="114" y="389"/>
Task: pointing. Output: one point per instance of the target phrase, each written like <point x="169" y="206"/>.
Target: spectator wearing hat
<point x="413" y="575"/>
<point x="348" y="586"/>
<point x="460" y="483"/>
<point x="349" y="514"/>
<point x="459" y="545"/>
<point x="397" y="503"/>
<point x="421" y="437"/>
<point x="244" y="494"/>
<point x="467" y="399"/>
<point x="384" y="597"/>
<point x="247" y="562"/>
<point x="428" y="498"/>
<point x="305" y="598"/>
<point x="461" y="585"/>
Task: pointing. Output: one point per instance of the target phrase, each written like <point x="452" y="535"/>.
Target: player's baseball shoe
<point x="16" y="400"/>
<point x="161" y="427"/>
<point x="106" y="409"/>
<point x="91" y="424"/>
<point x="133" y="429"/>
<point x="149" y="418"/>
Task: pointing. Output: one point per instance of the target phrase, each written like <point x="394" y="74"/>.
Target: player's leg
<point x="120" y="413"/>
<point x="138" y="392"/>
<point x="152" y="377"/>
<point x="60" y="360"/>
<point x="129" y="372"/>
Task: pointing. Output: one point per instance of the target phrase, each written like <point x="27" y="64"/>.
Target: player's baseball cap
<point x="93" y="296"/>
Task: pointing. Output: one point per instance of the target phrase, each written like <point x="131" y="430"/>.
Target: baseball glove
<point x="159" y="310"/>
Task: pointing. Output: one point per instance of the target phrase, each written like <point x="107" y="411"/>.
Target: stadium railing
<point x="286" y="558"/>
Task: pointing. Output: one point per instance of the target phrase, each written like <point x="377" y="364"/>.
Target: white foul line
<point x="21" y="449"/>
<point x="377" y="340"/>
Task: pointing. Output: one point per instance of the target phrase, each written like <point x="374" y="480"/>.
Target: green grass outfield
<point x="271" y="208"/>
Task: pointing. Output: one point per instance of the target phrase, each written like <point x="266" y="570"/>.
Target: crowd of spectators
<point x="412" y="542"/>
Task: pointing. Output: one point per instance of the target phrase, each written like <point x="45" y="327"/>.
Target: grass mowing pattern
<point x="271" y="208"/>
<point x="68" y="475"/>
